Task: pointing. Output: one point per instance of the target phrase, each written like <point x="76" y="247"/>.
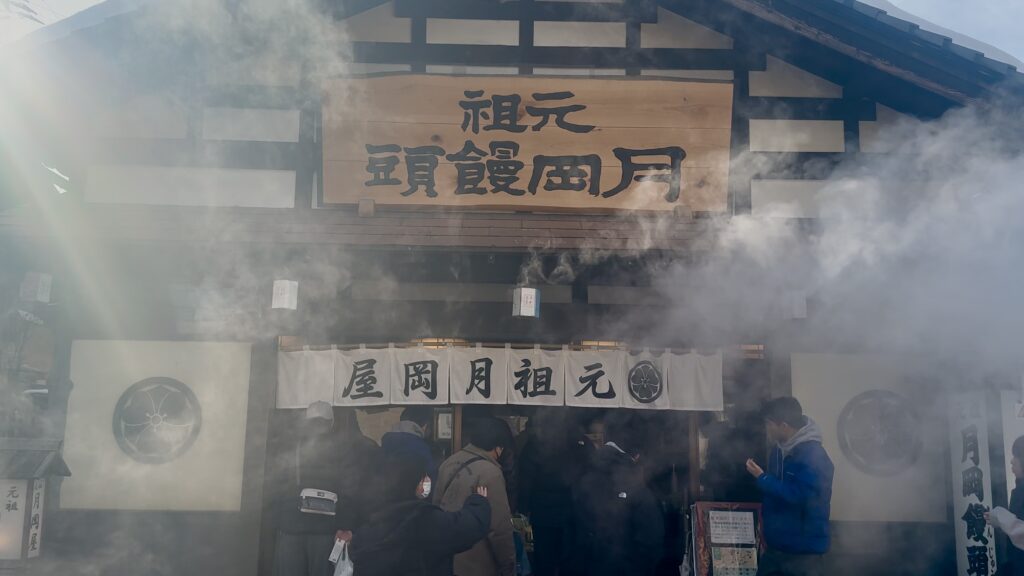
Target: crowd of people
<point x="590" y="504"/>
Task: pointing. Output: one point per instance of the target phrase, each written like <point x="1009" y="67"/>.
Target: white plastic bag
<point x="343" y="567"/>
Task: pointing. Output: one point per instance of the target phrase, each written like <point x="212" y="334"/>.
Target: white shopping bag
<point x="342" y="562"/>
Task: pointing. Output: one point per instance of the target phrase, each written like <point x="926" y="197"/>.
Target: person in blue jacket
<point x="797" y="490"/>
<point x="409" y="438"/>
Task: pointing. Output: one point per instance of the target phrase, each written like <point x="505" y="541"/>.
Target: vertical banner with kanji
<point x="304" y="377"/>
<point x="362" y="377"/>
<point x="35" y="519"/>
<point x="646" y="386"/>
<point x="536" y="377"/>
<point x="972" y="484"/>
<point x="420" y="375"/>
<point x="594" y="378"/>
<point x="12" y="518"/>
<point x="479" y="375"/>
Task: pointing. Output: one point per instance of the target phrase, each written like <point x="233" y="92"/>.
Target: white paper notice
<point x="731" y="527"/>
<point x="286" y="295"/>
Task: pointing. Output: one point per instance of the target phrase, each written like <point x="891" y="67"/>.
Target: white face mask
<point x="425" y="487"/>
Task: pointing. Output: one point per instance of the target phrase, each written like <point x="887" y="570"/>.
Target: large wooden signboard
<point x="522" y="142"/>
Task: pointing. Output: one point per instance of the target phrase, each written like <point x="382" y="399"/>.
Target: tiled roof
<point x="31" y="458"/>
<point x="939" y="40"/>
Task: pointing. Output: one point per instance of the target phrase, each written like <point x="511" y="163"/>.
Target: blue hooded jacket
<point x="407" y="438"/>
<point x="797" y="492"/>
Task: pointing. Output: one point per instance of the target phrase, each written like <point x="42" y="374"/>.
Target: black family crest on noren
<point x="645" y="382"/>
<point x="880" y="433"/>
<point x="157" y="420"/>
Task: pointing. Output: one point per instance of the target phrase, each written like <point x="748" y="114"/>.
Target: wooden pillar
<point x="456" y="429"/>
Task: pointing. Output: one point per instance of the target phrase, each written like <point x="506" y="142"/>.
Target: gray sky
<point x="996" y="22"/>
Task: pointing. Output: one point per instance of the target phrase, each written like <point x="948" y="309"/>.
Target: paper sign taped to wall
<point x="728" y="527"/>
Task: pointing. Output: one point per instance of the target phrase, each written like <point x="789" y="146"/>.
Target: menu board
<point x="726" y="538"/>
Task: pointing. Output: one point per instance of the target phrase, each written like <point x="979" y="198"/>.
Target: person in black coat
<point x="619" y="528"/>
<point x="553" y="460"/>
<point x="408" y="536"/>
<point x="331" y="455"/>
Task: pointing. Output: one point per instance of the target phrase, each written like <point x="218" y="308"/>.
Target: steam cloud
<point x="916" y="251"/>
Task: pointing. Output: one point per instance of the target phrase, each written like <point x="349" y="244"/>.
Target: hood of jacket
<point x="408" y="428"/>
<point x="810" y="432"/>
<point x="608" y="458"/>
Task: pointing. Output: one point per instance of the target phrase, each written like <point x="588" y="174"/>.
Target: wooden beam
<point x="650" y="58"/>
<point x="645" y="12"/>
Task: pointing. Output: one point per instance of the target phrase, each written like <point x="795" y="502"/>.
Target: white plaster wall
<point x="186" y="186"/>
<point x="786" y="198"/>
<point x="362" y="68"/>
<point x="796" y="136"/>
<point x="726" y="75"/>
<point x="579" y="71"/>
<point x="595" y="34"/>
<point x="377" y="25"/>
<point x="485" y="32"/>
<point x="258" y="124"/>
<point x="148" y="116"/>
<point x="876" y="137"/>
<point x="208" y="476"/>
<point x="674" y="31"/>
<point x="260" y="70"/>
<point x="781" y="79"/>
<point x="824" y="384"/>
<point x="481" y="70"/>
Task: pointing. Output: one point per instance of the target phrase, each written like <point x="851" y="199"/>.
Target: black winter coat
<point x="416" y="538"/>
<point x="619" y="528"/>
<point x="550" y="467"/>
<point x="331" y="462"/>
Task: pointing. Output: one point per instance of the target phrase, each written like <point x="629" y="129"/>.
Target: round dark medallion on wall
<point x="880" y="433"/>
<point x="645" y="382"/>
<point x="157" y="420"/>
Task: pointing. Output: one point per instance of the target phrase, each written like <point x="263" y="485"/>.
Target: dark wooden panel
<point x="651" y="58"/>
<point x="645" y="11"/>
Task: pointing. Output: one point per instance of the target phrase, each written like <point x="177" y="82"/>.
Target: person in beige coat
<point x="474" y="466"/>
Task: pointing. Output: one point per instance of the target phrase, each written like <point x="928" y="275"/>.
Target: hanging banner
<point x="479" y="375"/>
<point x="12" y="517"/>
<point x="420" y="375"/>
<point x="646" y="386"/>
<point x="972" y="484"/>
<point x="594" y="378"/>
<point x="523" y="142"/>
<point x="362" y="377"/>
<point x="536" y="377"/>
<point x="696" y="381"/>
<point x="35" y="521"/>
<point x="304" y="377"/>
